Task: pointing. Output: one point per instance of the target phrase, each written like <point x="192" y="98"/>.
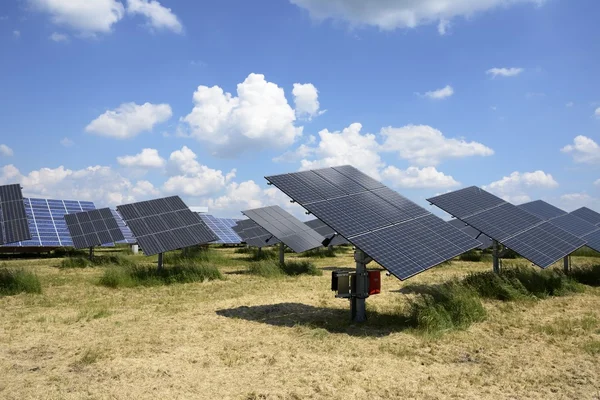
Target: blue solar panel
<point x="45" y="218"/>
<point x="129" y="238"/>
<point x="222" y="227"/>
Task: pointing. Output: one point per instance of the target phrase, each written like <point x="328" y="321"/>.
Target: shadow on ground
<point x="333" y="320"/>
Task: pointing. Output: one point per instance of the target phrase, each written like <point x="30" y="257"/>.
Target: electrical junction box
<point x="344" y="283"/>
<point x="374" y="282"/>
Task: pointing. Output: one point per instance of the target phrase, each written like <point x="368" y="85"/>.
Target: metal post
<point x="281" y="253"/>
<point x="134" y="248"/>
<point x="91" y="253"/>
<point x="160" y="261"/>
<point x="358" y="305"/>
<point x="259" y="252"/>
<point x="566" y="264"/>
<point x="496" y="260"/>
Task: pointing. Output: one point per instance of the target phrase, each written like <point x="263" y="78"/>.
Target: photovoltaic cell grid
<point x="13" y="224"/>
<point x="486" y="242"/>
<point x="222" y="228"/>
<point x="93" y="228"/>
<point x="285" y="227"/>
<point x="542" y="209"/>
<point x="47" y="225"/>
<point x="165" y="224"/>
<point x="540" y="242"/>
<point x="253" y="235"/>
<point x="324" y="230"/>
<point x="590" y="216"/>
<point x="127" y="234"/>
<point x="401" y="236"/>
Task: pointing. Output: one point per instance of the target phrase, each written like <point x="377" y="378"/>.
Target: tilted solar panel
<point x="127" y="234"/>
<point x="93" y="228"/>
<point x="588" y="215"/>
<point x="222" y="228"/>
<point x="486" y="242"/>
<point x="542" y="209"/>
<point x="394" y="231"/>
<point x="540" y="242"/>
<point x="287" y="228"/>
<point x="253" y="234"/>
<point x="324" y="230"/>
<point x="13" y="219"/>
<point x="165" y="224"/>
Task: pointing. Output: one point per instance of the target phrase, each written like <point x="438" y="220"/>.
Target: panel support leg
<point x="160" y="261"/>
<point x="281" y="253"/>
<point x="91" y="253"/>
<point x="358" y="306"/>
<point x="496" y="258"/>
<point x="566" y="262"/>
<point x="259" y="252"/>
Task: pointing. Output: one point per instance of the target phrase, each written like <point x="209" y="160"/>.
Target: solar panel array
<point x="287" y="228"/>
<point x="486" y="242"/>
<point x="401" y="236"/>
<point x="540" y="242"/>
<point x="93" y="228"/>
<point x="222" y="228"/>
<point x="165" y="224"/>
<point x="542" y="209"/>
<point x="324" y="230"/>
<point x="13" y="221"/>
<point x="127" y="234"/>
<point x="588" y="215"/>
<point x="253" y="235"/>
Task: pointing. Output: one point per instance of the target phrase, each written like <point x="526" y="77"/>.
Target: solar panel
<point x="165" y="224"/>
<point x="486" y="242"/>
<point x="93" y="228"/>
<point x="321" y="228"/>
<point x="540" y="242"/>
<point x="574" y="225"/>
<point x="252" y="234"/>
<point x="394" y="231"/>
<point x="542" y="209"/>
<point x="287" y="228"/>
<point x="588" y="215"/>
<point x="222" y="228"/>
<point x="13" y="221"/>
<point x="127" y="234"/>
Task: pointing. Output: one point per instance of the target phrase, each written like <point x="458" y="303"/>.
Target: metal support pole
<point x="259" y="252"/>
<point x="566" y="264"/>
<point x="358" y="305"/>
<point x="496" y="259"/>
<point x="91" y="253"/>
<point x="160" y="261"/>
<point x="281" y="253"/>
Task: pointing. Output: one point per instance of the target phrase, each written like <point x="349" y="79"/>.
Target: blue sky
<point x="495" y="93"/>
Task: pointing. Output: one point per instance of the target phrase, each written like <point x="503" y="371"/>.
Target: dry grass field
<point x="250" y="337"/>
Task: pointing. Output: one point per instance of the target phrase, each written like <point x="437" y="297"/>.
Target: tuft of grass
<point x="15" y="281"/>
<point x="471" y="255"/>
<point x="592" y="347"/>
<point x="101" y="260"/>
<point x="493" y="286"/>
<point x="75" y="262"/>
<point x="586" y="252"/>
<point x="587" y="275"/>
<point x="322" y="252"/>
<point x="243" y="250"/>
<point x="294" y="268"/>
<point x="446" y="307"/>
<point x="150" y="276"/>
<point x="266" y="269"/>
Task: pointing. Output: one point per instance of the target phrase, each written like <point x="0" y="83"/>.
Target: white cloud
<point x="129" y="119"/>
<point x="573" y="201"/>
<point x="569" y="104"/>
<point x="59" y="37"/>
<point x="505" y="72"/>
<point x="306" y="99"/>
<point x="144" y="189"/>
<point x="159" y="17"/>
<point x="259" y="117"/>
<point x="84" y="16"/>
<point x="346" y="147"/>
<point x="597" y="112"/>
<point x="148" y="158"/>
<point x="191" y="178"/>
<point x="440" y="94"/>
<point x="6" y="151"/>
<point x="443" y="26"/>
<point x="584" y="150"/>
<point x="394" y="14"/>
<point x="424" y="145"/>
<point x="513" y="188"/>
<point x="597" y="182"/>
<point x="17" y="34"/>
<point x="66" y="142"/>
<point x="418" y="178"/>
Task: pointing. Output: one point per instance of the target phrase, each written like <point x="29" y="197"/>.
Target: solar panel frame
<point x="222" y="229"/>
<point x="93" y="228"/>
<point x="324" y="230"/>
<point x="253" y="234"/>
<point x="14" y="226"/>
<point x="542" y="209"/>
<point x="364" y="222"/>
<point x="588" y="215"/>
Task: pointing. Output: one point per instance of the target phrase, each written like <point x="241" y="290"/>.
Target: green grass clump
<point x="15" y="281"/>
<point x="588" y="275"/>
<point x="243" y="250"/>
<point x="101" y="260"/>
<point x="263" y="254"/>
<point x="266" y="269"/>
<point x="272" y="268"/>
<point x="322" y="252"/>
<point x="471" y="255"/>
<point x="446" y="307"/>
<point x="150" y="276"/>
<point x="75" y="262"/>
<point x="585" y="252"/>
<point x="294" y="268"/>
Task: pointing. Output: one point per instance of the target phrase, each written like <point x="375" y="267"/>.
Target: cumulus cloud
<point x="440" y="94"/>
<point x="597" y="112"/>
<point x="66" y="142"/>
<point x="573" y="201"/>
<point x="514" y="188"/>
<point x="505" y="72"/>
<point x="147" y="158"/>
<point x="583" y="150"/>
<point x="6" y="151"/>
<point x="424" y="145"/>
<point x="84" y="16"/>
<point x="59" y="37"/>
<point x="159" y="17"/>
<point x="259" y="117"/>
<point x="129" y="120"/>
<point x="306" y="100"/>
<point x="418" y="178"/>
<point x="394" y="14"/>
